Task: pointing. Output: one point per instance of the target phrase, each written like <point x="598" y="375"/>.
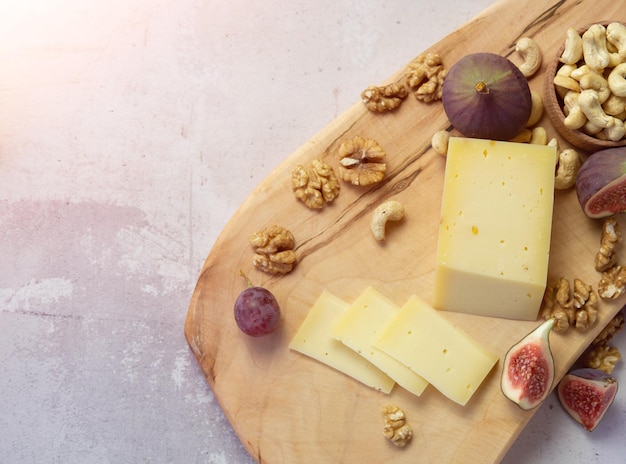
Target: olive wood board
<point x="287" y="408"/>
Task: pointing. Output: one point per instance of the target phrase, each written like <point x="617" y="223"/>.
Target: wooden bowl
<point x="554" y="108"/>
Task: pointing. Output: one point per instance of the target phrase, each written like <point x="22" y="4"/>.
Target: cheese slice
<point x="494" y="233"/>
<point x="313" y="339"/>
<point x="359" y="327"/>
<point x="422" y="339"/>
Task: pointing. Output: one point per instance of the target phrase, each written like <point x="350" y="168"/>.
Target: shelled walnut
<point x="361" y="161"/>
<point x="315" y="185"/>
<point x="558" y="305"/>
<point x="274" y="250"/>
<point x="425" y="76"/>
<point x="384" y="98"/>
<point x="396" y="429"/>
<point x="612" y="283"/>
<point x="602" y="357"/>
<point x="606" y="257"/>
<point x="575" y="307"/>
<point x="585" y="303"/>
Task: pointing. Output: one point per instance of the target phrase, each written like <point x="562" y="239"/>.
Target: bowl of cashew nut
<point x="585" y="86"/>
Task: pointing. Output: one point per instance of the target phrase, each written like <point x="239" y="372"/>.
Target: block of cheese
<point x="313" y="339"/>
<point x="422" y="339"/>
<point x="494" y="233"/>
<point x="359" y="327"/>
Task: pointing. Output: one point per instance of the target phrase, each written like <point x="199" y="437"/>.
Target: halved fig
<point x="528" y="371"/>
<point x="486" y="96"/>
<point x="601" y="183"/>
<point x="586" y="395"/>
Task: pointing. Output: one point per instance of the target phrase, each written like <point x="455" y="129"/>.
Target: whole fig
<point x="486" y="96"/>
<point x="586" y="395"/>
<point x="601" y="183"/>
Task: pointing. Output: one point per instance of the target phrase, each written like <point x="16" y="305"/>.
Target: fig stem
<point x="481" y="87"/>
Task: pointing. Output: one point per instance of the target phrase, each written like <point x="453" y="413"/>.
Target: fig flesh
<point x="586" y="395"/>
<point x="486" y="96"/>
<point x="601" y="183"/>
<point x="528" y="371"/>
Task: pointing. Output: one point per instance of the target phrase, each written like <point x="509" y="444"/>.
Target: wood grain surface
<point x="287" y="408"/>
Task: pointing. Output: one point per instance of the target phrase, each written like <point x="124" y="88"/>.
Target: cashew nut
<point x="536" y="108"/>
<point x="595" y="53"/>
<point x="615" y="106"/>
<point x="563" y="80"/>
<point x="565" y="83"/>
<point x="530" y="51"/>
<point x="573" y="50"/>
<point x="589" y="103"/>
<point x="616" y="131"/>
<point x="390" y="210"/>
<point x="566" y="70"/>
<point x="580" y="71"/>
<point x="575" y="118"/>
<point x="591" y="128"/>
<point x="570" y="100"/>
<point x="439" y="141"/>
<point x="539" y="136"/>
<point x="568" y="164"/>
<point x="598" y="83"/>
<point x="553" y="142"/>
<point x="617" y="80"/>
<point x="616" y="36"/>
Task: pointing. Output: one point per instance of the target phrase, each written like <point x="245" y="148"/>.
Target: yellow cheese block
<point x="359" y="327"/>
<point x="422" y="339"/>
<point x="494" y="234"/>
<point x="313" y="339"/>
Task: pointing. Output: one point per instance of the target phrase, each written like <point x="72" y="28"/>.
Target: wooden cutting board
<point x="287" y="408"/>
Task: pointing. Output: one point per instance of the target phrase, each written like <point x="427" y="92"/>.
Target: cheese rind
<point x="313" y="339"/>
<point x="422" y="339"/>
<point x="360" y="326"/>
<point x="494" y="233"/>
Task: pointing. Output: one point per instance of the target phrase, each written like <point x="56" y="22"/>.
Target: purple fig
<point x="486" y="96"/>
<point x="528" y="371"/>
<point x="586" y="395"/>
<point x="601" y="183"/>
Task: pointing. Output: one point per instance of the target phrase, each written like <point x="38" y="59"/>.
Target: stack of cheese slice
<point x="380" y="344"/>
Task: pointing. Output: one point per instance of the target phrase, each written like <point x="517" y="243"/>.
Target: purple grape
<point x="257" y="312"/>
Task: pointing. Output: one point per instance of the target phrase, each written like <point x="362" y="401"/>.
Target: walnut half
<point x="612" y="283"/>
<point x="384" y="98"/>
<point x="602" y="357"/>
<point x="396" y="429"/>
<point x="273" y="250"/>
<point x="569" y="307"/>
<point x="315" y="185"/>
<point x="425" y="77"/>
<point x="606" y="257"/>
<point x="361" y="161"/>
